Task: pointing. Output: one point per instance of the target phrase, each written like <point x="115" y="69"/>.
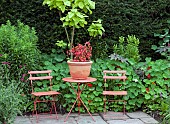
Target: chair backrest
<point x="114" y="75"/>
<point x="40" y="75"/>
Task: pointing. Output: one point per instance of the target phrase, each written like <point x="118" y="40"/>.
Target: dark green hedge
<point x="139" y="17"/>
<point x="120" y="18"/>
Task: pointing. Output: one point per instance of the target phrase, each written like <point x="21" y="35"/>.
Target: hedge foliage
<point x="141" y="18"/>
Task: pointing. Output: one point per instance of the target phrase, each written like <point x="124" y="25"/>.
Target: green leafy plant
<point x="10" y="99"/>
<point x="157" y="78"/>
<point x="18" y="47"/>
<point x="128" y="47"/>
<point x="156" y="85"/>
<point x="75" y="14"/>
<point x="164" y="44"/>
<point x="18" y="53"/>
<point x="166" y="111"/>
<point x="10" y="96"/>
<point x="138" y="85"/>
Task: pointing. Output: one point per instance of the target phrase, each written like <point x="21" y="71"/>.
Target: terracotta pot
<point x="79" y="70"/>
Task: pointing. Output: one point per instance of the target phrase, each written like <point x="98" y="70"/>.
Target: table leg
<point x="86" y="109"/>
<point x="78" y="92"/>
<point x="71" y="109"/>
<point x="78" y="95"/>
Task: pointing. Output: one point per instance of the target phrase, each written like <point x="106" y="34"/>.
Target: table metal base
<point x="79" y="100"/>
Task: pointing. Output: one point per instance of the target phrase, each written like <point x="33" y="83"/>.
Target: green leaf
<point x="60" y="57"/>
<point x="81" y="5"/>
<point x="92" y="96"/>
<point x="39" y="83"/>
<point x="100" y="32"/>
<point x="67" y="3"/>
<point x="92" y="5"/>
<point x="70" y="15"/>
<point x="67" y="95"/>
<point x="97" y="99"/>
<point x="100" y="84"/>
<point x="154" y="47"/>
<point x="147" y="96"/>
<point x="62" y="8"/>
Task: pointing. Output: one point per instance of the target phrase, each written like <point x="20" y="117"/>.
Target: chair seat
<point x="48" y="93"/>
<point x="115" y="93"/>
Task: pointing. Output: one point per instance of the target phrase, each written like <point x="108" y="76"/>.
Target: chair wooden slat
<point x="45" y="93"/>
<point x="41" y="78"/>
<point x="39" y="72"/>
<point x="114" y="77"/>
<point x="117" y="71"/>
<point x="117" y="93"/>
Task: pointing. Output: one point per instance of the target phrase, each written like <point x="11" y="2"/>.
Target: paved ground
<point x="109" y="118"/>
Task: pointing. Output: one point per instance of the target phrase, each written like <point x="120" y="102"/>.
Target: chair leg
<point x="54" y="105"/>
<point x="51" y="109"/>
<point x="124" y="107"/>
<point x="35" y="110"/>
<point x="105" y="105"/>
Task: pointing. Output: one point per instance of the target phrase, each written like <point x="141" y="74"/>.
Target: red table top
<point x="89" y="79"/>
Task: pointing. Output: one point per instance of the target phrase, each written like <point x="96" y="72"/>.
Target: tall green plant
<point x="10" y="96"/>
<point x="73" y="13"/>
<point x="18" y="54"/>
<point x="128" y="47"/>
<point x="10" y="99"/>
<point x="18" y="48"/>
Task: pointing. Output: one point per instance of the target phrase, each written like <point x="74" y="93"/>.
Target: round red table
<point x="78" y="92"/>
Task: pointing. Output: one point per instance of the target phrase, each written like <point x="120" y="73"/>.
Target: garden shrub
<point x="156" y="84"/>
<point x="128" y="47"/>
<point x="10" y="97"/>
<point x="157" y="78"/>
<point x="18" y="50"/>
<point x="10" y="100"/>
<point x="165" y="107"/>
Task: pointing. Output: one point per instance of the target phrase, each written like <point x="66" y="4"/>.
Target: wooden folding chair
<point x="36" y="76"/>
<point x="114" y="75"/>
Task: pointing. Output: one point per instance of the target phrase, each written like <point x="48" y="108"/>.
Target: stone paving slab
<point x="60" y="120"/>
<point x="109" y="118"/>
<point x="72" y="119"/>
<point x="149" y="121"/>
<point x="138" y="114"/>
<point x="114" y="116"/>
<point x="84" y="114"/>
<point x="88" y="120"/>
<point x="22" y="120"/>
<point x="128" y="121"/>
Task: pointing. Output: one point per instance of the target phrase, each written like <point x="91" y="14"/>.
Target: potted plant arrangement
<point x="80" y="65"/>
<point x="74" y="17"/>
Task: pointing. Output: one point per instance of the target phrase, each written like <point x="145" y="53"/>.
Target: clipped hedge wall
<point x="141" y="18"/>
<point x="120" y="18"/>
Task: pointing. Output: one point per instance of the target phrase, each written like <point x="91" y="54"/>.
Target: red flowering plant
<point x="81" y="53"/>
